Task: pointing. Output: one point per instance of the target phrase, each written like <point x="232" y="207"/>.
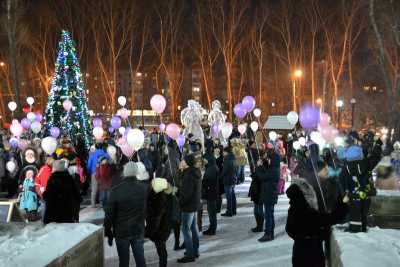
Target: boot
<point x="259" y="227"/>
<point x="265" y="238"/>
<point x="209" y="232"/>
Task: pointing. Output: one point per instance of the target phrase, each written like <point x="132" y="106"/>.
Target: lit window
<point x="366" y="88"/>
<point x="374" y="88"/>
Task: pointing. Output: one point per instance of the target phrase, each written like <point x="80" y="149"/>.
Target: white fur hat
<point x="159" y="184"/>
<point x="142" y="173"/>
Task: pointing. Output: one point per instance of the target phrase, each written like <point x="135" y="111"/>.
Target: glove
<point x="110" y="241"/>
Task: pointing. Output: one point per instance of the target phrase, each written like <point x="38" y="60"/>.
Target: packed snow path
<point x="234" y="244"/>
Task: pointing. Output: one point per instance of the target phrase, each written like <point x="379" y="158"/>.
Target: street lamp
<point x="339" y="105"/>
<point x="297" y="74"/>
<point x="2" y="64"/>
<point x="353" y="107"/>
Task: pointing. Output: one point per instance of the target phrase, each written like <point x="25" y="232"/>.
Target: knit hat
<point x="59" y="166"/>
<point x="190" y="160"/>
<point x="141" y="172"/>
<point x="130" y="169"/>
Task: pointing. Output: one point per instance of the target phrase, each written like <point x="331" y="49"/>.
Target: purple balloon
<point x="162" y="127"/>
<point x="97" y="122"/>
<point x="13" y="142"/>
<point x="26" y="124"/>
<point x="239" y="111"/>
<point x="111" y="130"/>
<point x="55" y="132"/>
<point x="309" y="117"/>
<point x="39" y="117"/>
<point x="115" y="122"/>
<point x="180" y="140"/>
<point x="216" y="129"/>
<point x="248" y="103"/>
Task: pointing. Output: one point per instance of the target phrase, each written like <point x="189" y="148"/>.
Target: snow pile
<point x="35" y="245"/>
<point x="378" y="247"/>
<point x="388" y="193"/>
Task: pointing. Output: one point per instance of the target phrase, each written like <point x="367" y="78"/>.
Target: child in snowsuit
<point x="29" y="199"/>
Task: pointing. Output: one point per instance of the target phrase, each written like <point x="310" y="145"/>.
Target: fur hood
<point x="307" y="191"/>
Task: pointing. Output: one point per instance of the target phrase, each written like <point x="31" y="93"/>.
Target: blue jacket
<point x="29" y="201"/>
<point x="93" y="158"/>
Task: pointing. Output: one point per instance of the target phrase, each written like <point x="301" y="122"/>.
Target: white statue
<point x="191" y="118"/>
<point x="216" y="117"/>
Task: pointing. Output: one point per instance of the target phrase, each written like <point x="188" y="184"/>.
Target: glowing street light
<point x="2" y="64"/>
<point x="319" y="101"/>
<point x="297" y="74"/>
<point x="339" y="103"/>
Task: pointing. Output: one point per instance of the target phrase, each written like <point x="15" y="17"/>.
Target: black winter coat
<point x="157" y="219"/>
<point x="62" y="198"/>
<point x="190" y="190"/>
<point x="268" y="178"/>
<point x="210" y="190"/>
<point x="228" y="174"/>
<point x="125" y="211"/>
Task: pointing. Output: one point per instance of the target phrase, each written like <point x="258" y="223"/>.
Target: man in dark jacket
<point x="268" y="173"/>
<point x="189" y="201"/>
<point x="61" y="195"/>
<point x="125" y="214"/>
<point x="228" y="176"/>
<point x="210" y="191"/>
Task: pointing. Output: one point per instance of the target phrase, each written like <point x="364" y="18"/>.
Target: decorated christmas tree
<point x="66" y="107"/>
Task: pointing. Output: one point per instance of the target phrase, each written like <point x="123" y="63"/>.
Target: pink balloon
<point x="242" y="128"/>
<point x="158" y="103"/>
<point x="325" y="120"/>
<point x="124" y="113"/>
<point x="67" y="104"/>
<point x="16" y="129"/>
<point x="327" y="133"/>
<point x="173" y="130"/>
<point x="127" y="150"/>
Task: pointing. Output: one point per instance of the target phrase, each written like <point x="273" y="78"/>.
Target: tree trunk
<point x="12" y="42"/>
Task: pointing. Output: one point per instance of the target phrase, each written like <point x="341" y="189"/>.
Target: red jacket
<point x="41" y="179"/>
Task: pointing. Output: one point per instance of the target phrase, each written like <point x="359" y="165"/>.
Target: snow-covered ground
<point x="234" y="244"/>
<point x="35" y="245"/>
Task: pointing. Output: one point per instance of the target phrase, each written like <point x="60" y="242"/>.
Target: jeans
<point x="230" y="199"/>
<point x="162" y="253"/>
<point x="269" y="219"/>
<point x="103" y="195"/>
<point x="95" y="189"/>
<point x="240" y="175"/>
<point x="123" y="251"/>
<point x="212" y="214"/>
<point x="189" y="224"/>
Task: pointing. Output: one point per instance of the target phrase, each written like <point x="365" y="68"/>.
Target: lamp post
<point x="319" y="103"/>
<point x="296" y="75"/>
<point x="353" y="107"/>
<point x="339" y="105"/>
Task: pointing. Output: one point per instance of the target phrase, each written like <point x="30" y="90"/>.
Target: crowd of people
<point x="163" y="188"/>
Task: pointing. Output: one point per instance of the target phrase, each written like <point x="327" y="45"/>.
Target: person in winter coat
<point x="43" y="176"/>
<point x="104" y="176"/>
<point x="189" y="201"/>
<point x="228" y="176"/>
<point x="125" y="213"/>
<point x="61" y="195"/>
<point x="306" y="224"/>
<point x="29" y="199"/>
<point x="210" y="190"/>
<point x="158" y="217"/>
<point x="91" y="167"/>
<point x="268" y="173"/>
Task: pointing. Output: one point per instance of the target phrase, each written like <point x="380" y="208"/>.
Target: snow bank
<point x="378" y="247"/>
<point x="35" y="245"/>
<point x="388" y="193"/>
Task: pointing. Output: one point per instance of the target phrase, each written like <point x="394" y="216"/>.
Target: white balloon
<point x="31" y="116"/>
<point x="242" y="128"/>
<point x="296" y="145"/>
<point x="30" y="100"/>
<point x="98" y="133"/>
<point x="122" y="100"/>
<point x="10" y="166"/>
<point x="226" y="129"/>
<point x="292" y="117"/>
<point x="257" y="112"/>
<point x="317" y="138"/>
<point x="49" y="145"/>
<point x="254" y="126"/>
<point x="12" y="106"/>
<point x="36" y="127"/>
<point x="16" y="129"/>
<point x="121" y="130"/>
<point x="302" y="141"/>
<point x="273" y="135"/>
<point x="135" y="139"/>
